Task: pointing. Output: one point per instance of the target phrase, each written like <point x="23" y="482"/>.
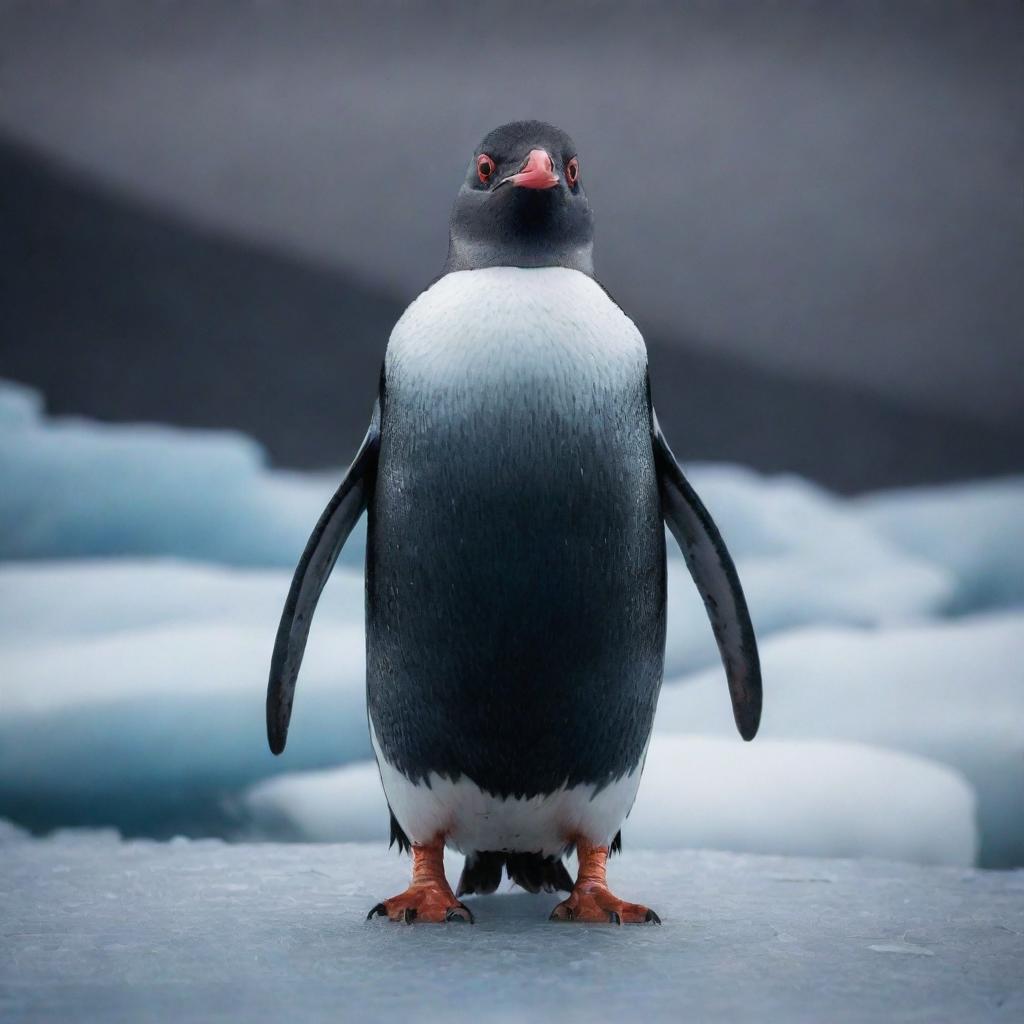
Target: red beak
<point x="537" y="172"/>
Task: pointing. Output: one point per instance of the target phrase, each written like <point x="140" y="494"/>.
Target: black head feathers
<point x="522" y="203"/>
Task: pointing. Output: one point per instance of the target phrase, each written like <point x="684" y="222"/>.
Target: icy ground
<point x="93" y="929"/>
<point x="142" y="573"/>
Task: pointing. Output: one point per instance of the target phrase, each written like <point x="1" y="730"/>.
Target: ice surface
<point x="808" y="798"/>
<point x="847" y="586"/>
<point x="20" y="406"/>
<point x="96" y="930"/>
<point x="333" y="805"/>
<point x="74" y="487"/>
<point x="132" y="687"/>
<point x="79" y="488"/>
<point x="975" y="531"/>
<point x="56" y="601"/>
<point x="10" y="833"/>
<point x="952" y="692"/>
<point x="804" y="556"/>
<point x="801" y="797"/>
<point x="133" y="696"/>
<point x="133" y="692"/>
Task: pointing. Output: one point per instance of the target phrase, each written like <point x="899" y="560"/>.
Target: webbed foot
<point x="591" y="901"/>
<point x="429" y="898"/>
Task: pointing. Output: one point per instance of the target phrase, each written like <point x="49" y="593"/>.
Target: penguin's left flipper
<point x="315" y="565"/>
<point x="713" y="571"/>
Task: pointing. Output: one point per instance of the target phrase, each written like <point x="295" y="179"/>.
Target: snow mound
<point x="133" y="695"/>
<point x="10" y="833"/>
<point x="951" y="692"/>
<point x="209" y="931"/>
<point x="75" y="487"/>
<point x="805" y="556"/>
<point x="20" y="406"/>
<point x="845" y="587"/>
<point x="62" y="600"/>
<point x="806" y="798"/>
<point x="145" y="679"/>
<point x="133" y="692"/>
<point x="334" y="805"/>
<point x="809" y="798"/>
<point x="765" y="517"/>
<point x="133" y="686"/>
<point x="974" y="531"/>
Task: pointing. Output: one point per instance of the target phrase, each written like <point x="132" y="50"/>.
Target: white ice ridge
<point x="949" y="691"/>
<point x="144" y="681"/>
<point x="804" y="797"/>
<point x="96" y="930"/>
<point x="975" y="531"/>
<point x="78" y="488"/>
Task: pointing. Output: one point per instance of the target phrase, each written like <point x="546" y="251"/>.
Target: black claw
<point x="652" y="918"/>
<point x="460" y="913"/>
<point x="409" y="915"/>
<point x="613" y="917"/>
<point x="379" y="910"/>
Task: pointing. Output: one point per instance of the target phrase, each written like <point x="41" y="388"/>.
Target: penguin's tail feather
<point x="532" y="871"/>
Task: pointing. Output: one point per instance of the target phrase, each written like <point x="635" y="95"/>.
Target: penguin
<point x="517" y="486"/>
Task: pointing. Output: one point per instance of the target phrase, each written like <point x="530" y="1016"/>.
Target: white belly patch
<point x="475" y="820"/>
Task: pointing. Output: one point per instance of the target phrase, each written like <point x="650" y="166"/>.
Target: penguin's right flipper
<point x="315" y="565"/>
<point x="712" y="569"/>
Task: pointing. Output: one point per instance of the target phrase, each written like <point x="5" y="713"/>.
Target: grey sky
<point x="829" y="194"/>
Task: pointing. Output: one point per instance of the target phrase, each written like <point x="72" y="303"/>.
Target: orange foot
<point x="592" y="901"/>
<point x="429" y="896"/>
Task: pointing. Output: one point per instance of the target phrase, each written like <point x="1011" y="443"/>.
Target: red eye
<point x="484" y="167"/>
<point x="572" y="172"/>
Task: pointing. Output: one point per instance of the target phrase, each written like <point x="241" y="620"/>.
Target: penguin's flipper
<point x="315" y="565"/>
<point x="713" y="571"/>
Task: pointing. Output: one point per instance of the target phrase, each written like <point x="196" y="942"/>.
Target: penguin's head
<point x="522" y="203"/>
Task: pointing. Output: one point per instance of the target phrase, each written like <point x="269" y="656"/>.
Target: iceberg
<point x="798" y="797"/>
<point x="948" y="691"/>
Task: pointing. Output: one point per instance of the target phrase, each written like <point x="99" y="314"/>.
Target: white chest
<point x="515" y="329"/>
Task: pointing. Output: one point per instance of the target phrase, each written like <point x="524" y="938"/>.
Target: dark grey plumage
<point x="515" y="579"/>
<point x="518" y="486"/>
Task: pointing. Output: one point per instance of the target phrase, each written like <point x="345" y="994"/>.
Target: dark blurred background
<point x="212" y="214"/>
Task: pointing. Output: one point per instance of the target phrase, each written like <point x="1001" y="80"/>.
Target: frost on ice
<point x="94" y="930"/>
